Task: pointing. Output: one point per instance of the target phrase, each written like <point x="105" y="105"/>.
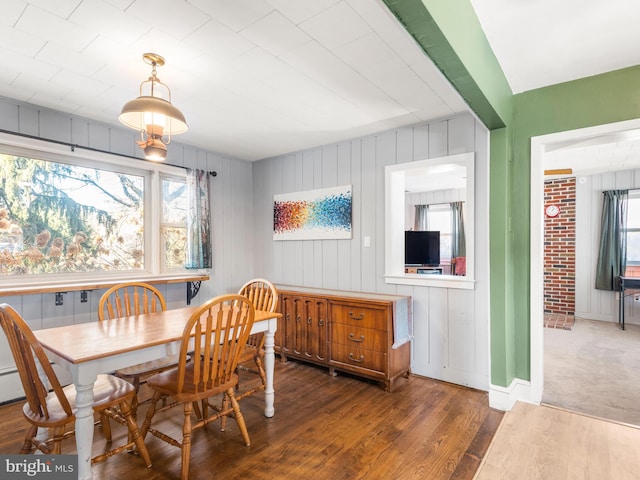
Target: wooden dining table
<point x="88" y="349"/>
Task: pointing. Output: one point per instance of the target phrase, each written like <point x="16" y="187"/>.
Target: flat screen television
<point x="422" y="248"/>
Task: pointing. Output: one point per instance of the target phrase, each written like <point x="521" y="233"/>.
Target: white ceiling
<point x="593" y="155"/>
<point x="257" y="78"/>
<point x="543" y="42"/>
<point x="254" y="78"/>
<point x="435" y="177"/>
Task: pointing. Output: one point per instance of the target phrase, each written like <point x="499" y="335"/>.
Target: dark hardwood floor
<point x="325" y="428"/>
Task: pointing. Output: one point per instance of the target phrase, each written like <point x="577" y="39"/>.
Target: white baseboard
<point x="504" y="398"/>
<point x="10" y="387"/>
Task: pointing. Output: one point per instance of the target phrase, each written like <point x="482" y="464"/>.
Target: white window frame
<point x="635" y="195"/>
<point x="153" y="172"/>
<point x="165" y="225"/>
<point x="435" y="208"/>
<point x="395" y="201"/>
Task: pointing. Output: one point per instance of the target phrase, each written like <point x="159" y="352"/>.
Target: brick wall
<point x="560" y="247"/>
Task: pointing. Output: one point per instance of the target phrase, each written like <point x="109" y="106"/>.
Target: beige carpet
<point x="594" y="368"/>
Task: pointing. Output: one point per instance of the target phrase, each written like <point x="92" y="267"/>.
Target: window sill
<point x="96" y="284"/>
<point x="441" y="281"/>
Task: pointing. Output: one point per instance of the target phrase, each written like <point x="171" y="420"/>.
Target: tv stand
<point x="423" y="270"/>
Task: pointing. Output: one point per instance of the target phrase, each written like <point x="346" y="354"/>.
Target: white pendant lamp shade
<point x="154" y="117"/>
<point x="139" y="112"/>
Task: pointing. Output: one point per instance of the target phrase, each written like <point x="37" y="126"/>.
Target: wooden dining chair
<point x="264" y="296"/>
<point x="55" y="410"/>
<point x="215" y="334"/>
<point x="135" y="298"/>
<point x="130" y="298"/>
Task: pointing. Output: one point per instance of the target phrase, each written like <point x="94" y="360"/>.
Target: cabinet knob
<point x="321" y="322"/>
<point x="360" y="359"/>
<point x="353" y="337"/>
<point x="297" y="318"/>
<point x="309" y="321"/>
<point x="356" y="317"/>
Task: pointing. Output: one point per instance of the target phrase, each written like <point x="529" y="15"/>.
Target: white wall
<point x="591" y="303"/>
<point x="232" y="212"/>
<point x="451" y="326"/>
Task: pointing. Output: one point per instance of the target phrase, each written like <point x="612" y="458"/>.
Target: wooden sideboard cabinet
<point x="302" y="330"/>
<point x="346" y="331"/>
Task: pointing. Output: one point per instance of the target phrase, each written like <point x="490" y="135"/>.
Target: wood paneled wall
<point x="591" y="303"/>
<point x="451" y="326"/>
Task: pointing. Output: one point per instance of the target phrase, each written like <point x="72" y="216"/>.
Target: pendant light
<point x="153" y="114"/>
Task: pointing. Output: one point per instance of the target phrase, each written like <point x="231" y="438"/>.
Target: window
<point x="64" y="213"/>
<point x="439" y="219"/>
<point x="174" y="222"/>
<point x="633" y="229"/>
<point x="451" y="172"/>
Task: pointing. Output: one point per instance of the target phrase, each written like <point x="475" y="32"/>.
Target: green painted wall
<point x="607" y="98"/>
<point x="458" y="21"/>
<point x="501" y="328"/>
<point x="597" y="100"/>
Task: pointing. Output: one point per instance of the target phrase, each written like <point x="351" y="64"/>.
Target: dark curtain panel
<point x="612" y="255"/>
<point x="458" y="240"/>
<point x="198" y="220"/>
<point x="420" y="222"/>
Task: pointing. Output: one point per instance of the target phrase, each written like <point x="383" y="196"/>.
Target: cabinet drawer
<point x="358" y="357"/>
<point x="358" y="337"/>
<point x="375" y="318"/>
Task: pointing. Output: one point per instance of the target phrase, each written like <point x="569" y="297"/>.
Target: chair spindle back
<point x="133" y="298"/>
<point x="30" y="358"/>
<point x="215" y="334"/>
<point x="262" y="293"/>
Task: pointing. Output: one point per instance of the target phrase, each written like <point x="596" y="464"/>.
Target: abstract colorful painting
<point x="313" y="214"/>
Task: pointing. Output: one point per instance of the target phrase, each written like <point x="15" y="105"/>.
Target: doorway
<point x="542" y="149"/>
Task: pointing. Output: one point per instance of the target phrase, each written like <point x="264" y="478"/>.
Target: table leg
<point x="84" y="429"/>
<point x="621" y="307"/>
<point x="269" y="365"/>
